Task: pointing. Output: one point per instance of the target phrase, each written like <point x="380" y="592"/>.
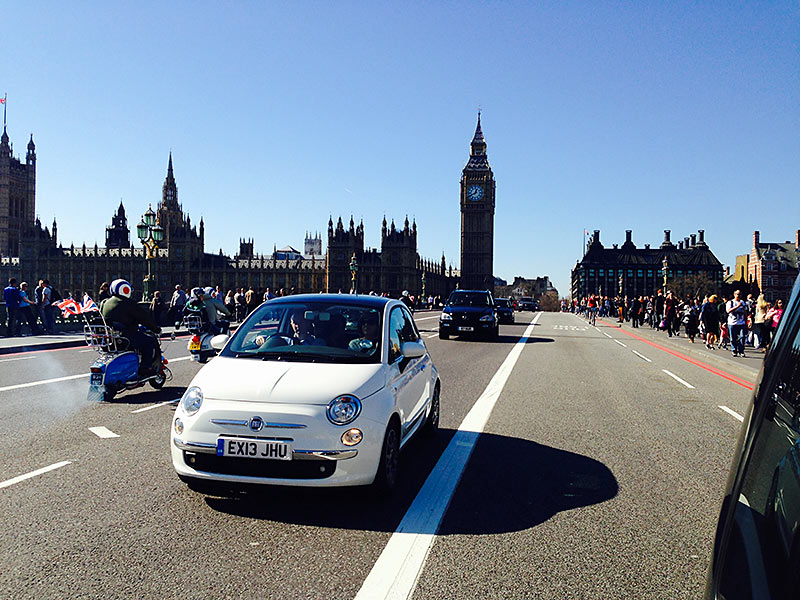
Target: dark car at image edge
<point x="757" y="543"/>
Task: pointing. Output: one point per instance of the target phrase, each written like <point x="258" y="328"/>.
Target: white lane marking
<point x="89" y="350"/>
<point x="426" y="318"/>
<point x="53" y="467"/>
<point x="732" y="413"/>
<point x="43" y="382"/>
<point x="20" y="358"/>
<point x="396" y="571"/>
<point x="103" y="432"/>
<point x="19" y="386"/>
<point x="427" y="337"/>
<point x="641" y="356"/>
<point x="138" y="410"/>
<point x="620" y="343"/>
<point x="678" y="379"/>
<point x="605" y="334"/>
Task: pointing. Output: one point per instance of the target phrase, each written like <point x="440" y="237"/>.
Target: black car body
<point x="469" y="312"/>
<point x="757" y="544"/>
<point x="505" y="311"/>
<point x="527" y="303"/>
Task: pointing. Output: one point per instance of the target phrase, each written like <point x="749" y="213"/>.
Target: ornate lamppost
<point x="354" y="274"/>
<point x="620" y="286"/>
<point x="424" y="295"/>
<point x="150" y="234"/>
<point x="665" y="265"/>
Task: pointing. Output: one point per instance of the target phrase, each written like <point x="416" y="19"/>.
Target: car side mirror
<point x="412" y="350"/>
<point x="218" y="341"/>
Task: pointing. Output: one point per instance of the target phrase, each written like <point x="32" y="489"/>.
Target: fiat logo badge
<point x="256" y="424"/>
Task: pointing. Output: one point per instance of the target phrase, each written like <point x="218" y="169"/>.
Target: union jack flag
<point x="88" y="305"/>
<point x="68" y="307"/>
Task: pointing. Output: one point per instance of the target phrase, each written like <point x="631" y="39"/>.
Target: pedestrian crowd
<point x="35" y="308"/>
<point x="720" y="322"/>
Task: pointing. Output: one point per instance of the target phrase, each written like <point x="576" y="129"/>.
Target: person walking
<point x="176" y="305"/>
<point x="157" y="307"/>
<point x="760" y="330"/>
<point x="670" y="313"/>
<point x="103" y="292"/>
<point x="11" y="298"/>
<point x="774" y="315"/>
<point x="737" y="322"/>
<point x="26" y="308"/>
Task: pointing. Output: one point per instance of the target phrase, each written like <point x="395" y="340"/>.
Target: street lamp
<point x="620" y="286"/>
<point x="150" y="234"/>
<point x="665" y="264"/>
<point x="424" y="295"/>
<point x="353" y="274"/>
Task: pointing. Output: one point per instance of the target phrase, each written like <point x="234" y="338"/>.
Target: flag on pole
<point x="585" y="232"/>
<point x="2" y="100"/>
<point x="68" y="307"/>
<point x="88" y="304"/>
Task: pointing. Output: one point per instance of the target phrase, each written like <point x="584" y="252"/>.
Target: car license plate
<point x="194" y="346"/>
<point x="97" y="379"/>
<point x="466" y="329"/>
<point x="244" y="448"/>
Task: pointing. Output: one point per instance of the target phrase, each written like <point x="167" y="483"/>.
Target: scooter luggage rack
<point x="102" y="338"/>
<point x="193" y="323"/>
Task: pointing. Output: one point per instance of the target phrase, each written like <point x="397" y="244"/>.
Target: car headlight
<point x="343" y="410"/>
<point x="192" y="400"/>
<point x="447" y="316"/>
<point x="487" y="318"/>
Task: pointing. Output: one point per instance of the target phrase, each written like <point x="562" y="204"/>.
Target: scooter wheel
<point x="109" y="393"/>
<point x="202" y="359"/>
<point x="159" y="380"/>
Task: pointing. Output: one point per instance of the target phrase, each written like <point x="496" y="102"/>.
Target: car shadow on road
<point x="510" y="484"/>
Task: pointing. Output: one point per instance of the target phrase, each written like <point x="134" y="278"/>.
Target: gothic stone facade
<point x="17" y="195"/>
<point x="181" y="257"/>
<point x="477" y="217"/>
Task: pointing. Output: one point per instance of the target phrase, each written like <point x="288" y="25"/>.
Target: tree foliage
<point x="699" y="285"/>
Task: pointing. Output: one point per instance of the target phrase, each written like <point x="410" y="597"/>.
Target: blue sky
<point x="597" y="115"/>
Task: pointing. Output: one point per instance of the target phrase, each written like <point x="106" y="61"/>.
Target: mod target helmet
<point x="120" y="287"/>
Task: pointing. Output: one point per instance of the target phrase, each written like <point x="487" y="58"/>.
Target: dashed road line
<point x="732" y="413"/>
<point x="427" y="337"/>
<point x="605" y="334"/>
<point x="138" y="410"/>
<point x="620" y="343"/>
<point x="426" y="318"/>
<point x="641" y="356"/>
<point x="103" y="432"/>
<point x="53" y="467"/>
<point x="678" y="379"/>
<point x="19" y="386"/>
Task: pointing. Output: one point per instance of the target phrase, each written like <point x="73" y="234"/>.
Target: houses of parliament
<point x="30" y="250"/>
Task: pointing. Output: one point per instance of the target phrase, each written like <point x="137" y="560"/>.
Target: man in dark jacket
<point x="125" y="315"/>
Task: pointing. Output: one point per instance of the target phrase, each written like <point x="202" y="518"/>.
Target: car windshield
<point x="309" y="331"/>
<point x="469" y="299"/>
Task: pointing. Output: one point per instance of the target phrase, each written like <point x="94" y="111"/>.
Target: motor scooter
<point x="117" y="368"/>
<point x="199" y="345"/>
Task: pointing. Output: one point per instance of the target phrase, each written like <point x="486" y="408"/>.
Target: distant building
<point x="535" y="288"/>
<point x="17" y="195"/>
<point x="773" y="266"/>
<point x="31" y="251"/>
<point x="632" y="271"/>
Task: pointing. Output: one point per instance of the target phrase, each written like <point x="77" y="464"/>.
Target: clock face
<point x="475" y="193"/>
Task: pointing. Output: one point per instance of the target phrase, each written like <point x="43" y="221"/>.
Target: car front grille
<point x="256" y="467"/>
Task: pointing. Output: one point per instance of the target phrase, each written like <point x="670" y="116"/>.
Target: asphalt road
<point x="598" y="474"/>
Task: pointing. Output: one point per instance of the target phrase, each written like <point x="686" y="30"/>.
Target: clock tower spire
<point x="477" y="217"/>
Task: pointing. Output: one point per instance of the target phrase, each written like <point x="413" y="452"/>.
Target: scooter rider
<point x="125" y="315"/>
<point x="214" y="308"/>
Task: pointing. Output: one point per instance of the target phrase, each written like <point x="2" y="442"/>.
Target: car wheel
<point x="202" y="358"/>
<point x="389" y="466"/>
<point x="443" y="335"/>
<point x="159" y="380"/>
<point x="432" y="423"/>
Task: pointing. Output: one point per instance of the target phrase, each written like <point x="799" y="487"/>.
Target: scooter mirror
<point x="218" y="341"/>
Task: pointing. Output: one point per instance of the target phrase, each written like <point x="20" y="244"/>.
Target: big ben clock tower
<point x="477" y="217"/>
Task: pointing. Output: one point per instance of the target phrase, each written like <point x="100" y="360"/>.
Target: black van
<point x="757" y="544"/>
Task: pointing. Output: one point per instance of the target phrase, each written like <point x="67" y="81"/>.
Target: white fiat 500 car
<point x="311" y="390"/>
